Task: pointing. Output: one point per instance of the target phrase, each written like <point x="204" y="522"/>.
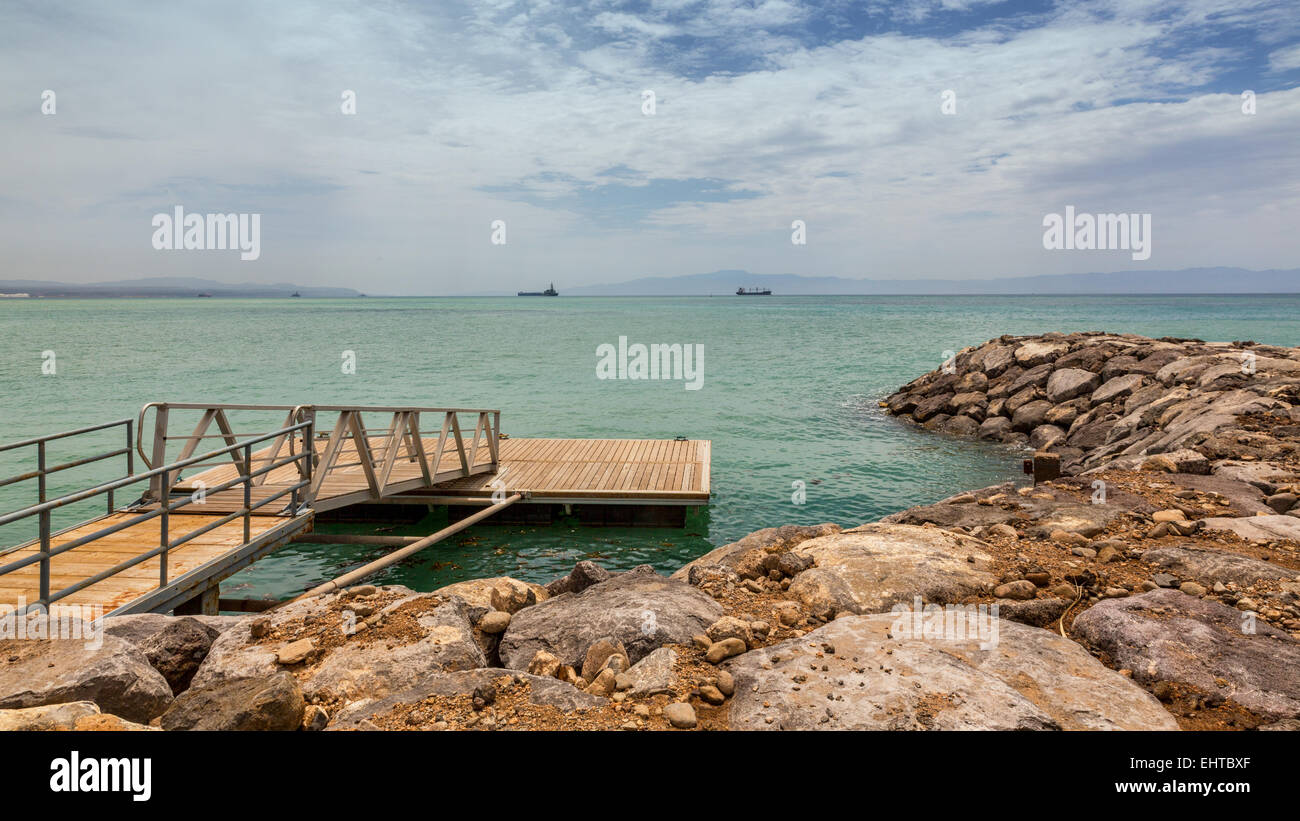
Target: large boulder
<point x="272" y="702"/>
<point x="544" y="691"/>
<point x="1116" y="388"/>
<point x="1208" y="565"/>
<point x="111" y="673"/>
<point x="1031" y="354"/>
<point x="639" y="608"/>
<point x="1067" y="383"/>
<point x="175" y="646"/>
<point x="46" y="717"/>
<point x="1166" y="635"/>
<point x="1258" y="528"/>
<point x="407" y="638"/>
<point x="874" y="673"/>
<point x="745" y="556"/>
<point x="870" y="568"/>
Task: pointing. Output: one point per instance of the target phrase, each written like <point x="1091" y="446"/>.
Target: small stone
<point x="1040" y="578"/>
<point x="681" y="715"/>
<point x="295" y="651"/>
<point x="712" y="694"/>
<point x="1019" y="590"/>
<point x="726" y="683"/>
<point x="1164" y="580"/>
<point x="1084" y="552"/>
<point x="545" y="664"/>
<point x="314" y="718"/>
<point x="701" y="641"/>
<point x="603" y="685"/>
<point x="724" y="649"/>
<point x="1192" y="589"/>
<point x="1247" y="603"/>
<point x="259" y="629"/>
<point x="1171" y="515"/>
<point x="788" y="613"/>
<point x="496" y="621"/>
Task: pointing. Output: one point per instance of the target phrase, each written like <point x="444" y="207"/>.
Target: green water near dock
<point x="789" y="394"/>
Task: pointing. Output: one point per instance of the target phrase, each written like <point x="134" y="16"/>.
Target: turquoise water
<point x="789" y="394"/>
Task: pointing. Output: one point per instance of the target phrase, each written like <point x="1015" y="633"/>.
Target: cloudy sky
<point x="765" y="112"/>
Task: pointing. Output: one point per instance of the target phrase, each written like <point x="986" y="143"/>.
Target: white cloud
<point x="454" y="104"/>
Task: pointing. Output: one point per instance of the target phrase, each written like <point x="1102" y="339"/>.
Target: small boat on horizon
<point x="742" y="291"/>
<point x="548" y="292"/>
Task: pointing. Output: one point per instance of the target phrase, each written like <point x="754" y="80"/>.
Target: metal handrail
<point x="296" y="412"/>
<point x="301" y="497"/>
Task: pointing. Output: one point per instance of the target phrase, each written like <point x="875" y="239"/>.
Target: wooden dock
<point x="592" y="471"/>
<point x="198" y="519"/>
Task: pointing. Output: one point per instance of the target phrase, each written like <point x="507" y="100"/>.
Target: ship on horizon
<point x="548" y="292"/>
<point x="743" y="291"/>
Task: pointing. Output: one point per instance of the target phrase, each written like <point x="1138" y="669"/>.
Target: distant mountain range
<point x="721" y="283"/>
<point x="1187" y="281"/>
<point x="167" y="287"/>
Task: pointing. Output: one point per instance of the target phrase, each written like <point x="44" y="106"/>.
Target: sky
<point x="535" y="116"/>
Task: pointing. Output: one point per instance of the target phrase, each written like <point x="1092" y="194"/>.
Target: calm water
<point x="789" y="394"/>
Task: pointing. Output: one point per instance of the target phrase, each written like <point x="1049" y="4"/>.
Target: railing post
<point x="164" y="501"/>
<point x="309" y="444"/>
<point x="248" y="493"/>
<point x="44" y="526"/>
<point x="159" y="450"/>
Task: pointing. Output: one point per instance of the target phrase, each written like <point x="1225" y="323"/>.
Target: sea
<point x="788" y="394"/>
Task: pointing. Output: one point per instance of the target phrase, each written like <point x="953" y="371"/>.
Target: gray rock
<point x="543" y="691"/>
<point x="1031" y="679"/>
<point x="639" y="608"/>
<point x="174" y="645"/>
<point x="1067" y="383"/>
<point x="745" y="557"/>
<point x="1210" y="565"/>
<point x="361" y="667"/>
<point x="1259" y="528"/>
<point x="1165" y="635"/>
<point x="681" y="715"/>
<point x="114" y="675"/>
<point x="1030" y="415"/>
<point x="870" y="568"/>
<point x="1031" y="354"/>
<point x="652" y="674"/>
<point x="583" y="575"/>
<point x="1036" y="612"/>
<point x="273" y="702"/>
<point x="995" y="427"/>
<point x="1115" y="388"/>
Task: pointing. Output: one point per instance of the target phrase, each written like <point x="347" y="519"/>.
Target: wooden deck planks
<point x="638" y="470"/>
<point x="108" y="551"/>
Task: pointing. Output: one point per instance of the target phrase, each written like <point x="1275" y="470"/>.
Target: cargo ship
<point x="548" y="292"/>
<point x="753" y="292"/>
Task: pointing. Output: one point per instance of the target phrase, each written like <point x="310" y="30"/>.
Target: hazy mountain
<point x="1187" y="281"/>
<point x="167" y="286"/>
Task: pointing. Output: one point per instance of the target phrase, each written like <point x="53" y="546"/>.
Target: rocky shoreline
<point x="1155" y="584"/>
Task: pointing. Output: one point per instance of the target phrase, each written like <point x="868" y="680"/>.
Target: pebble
<point x="494" y="622"/>
<point x="681" y="715"/>
<point x="1084" y="552"/>
<point x="1019" y="590"/>
<point x="726" y="683"/>
<point x="712" y="694"/>
<point x="295" y="651"/>
<point x="1170" y="515"/>
<point x="1192" y="589"/>
<point x="724" y="649"/>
